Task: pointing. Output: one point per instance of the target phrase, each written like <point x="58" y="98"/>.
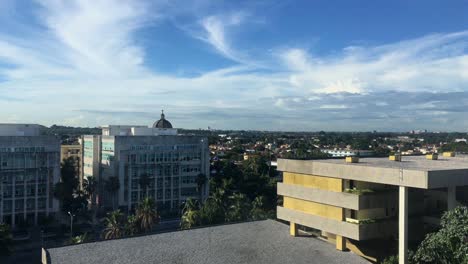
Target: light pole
<point x="71" y="224"/>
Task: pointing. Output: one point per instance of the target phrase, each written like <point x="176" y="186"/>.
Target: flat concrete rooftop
<point x="409" y="162"/>
<point x="412" y="171"/>
<point x="257" y="242"/>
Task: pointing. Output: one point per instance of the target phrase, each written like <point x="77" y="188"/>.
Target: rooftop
<point x="412" y="171"/>
<point x="253" y="242"/>
<point x="419" y="163"/>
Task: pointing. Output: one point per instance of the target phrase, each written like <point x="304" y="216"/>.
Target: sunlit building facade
<point x="29" y="169"/>
<point x="171" y="162"/>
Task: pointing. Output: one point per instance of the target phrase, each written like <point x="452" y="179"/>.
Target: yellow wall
<point x="318" y="209"/>
<point x="324" y="183"/>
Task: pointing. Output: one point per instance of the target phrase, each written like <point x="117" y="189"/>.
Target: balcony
<point x="356" y="231"/>
<point x="351" y="200"/>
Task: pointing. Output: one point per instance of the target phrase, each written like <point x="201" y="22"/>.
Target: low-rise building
<point x="29" y="169"/>
<point x="355" y="205"/>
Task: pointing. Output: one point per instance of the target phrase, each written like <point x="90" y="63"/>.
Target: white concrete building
<point x="348" y="152"/>
<point x="29" y="169"/>
<point x="172" y="163"/>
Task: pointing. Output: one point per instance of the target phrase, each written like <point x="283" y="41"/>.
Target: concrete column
<point x="451" y="197"/>
<point x="403" y="226"/>
<point x="340" y="243"/>
<point x="293" y="229"/>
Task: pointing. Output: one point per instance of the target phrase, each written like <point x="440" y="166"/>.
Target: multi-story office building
<point x="170" y="161"/>
<point x="29" y="168"/>
<point x="366" y="202"/>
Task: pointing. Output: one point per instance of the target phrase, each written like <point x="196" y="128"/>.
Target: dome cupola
<point x="162" y="123"/>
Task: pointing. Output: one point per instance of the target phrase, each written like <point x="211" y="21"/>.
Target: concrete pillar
<point x="340" y="243"/>
<point x="403" y="226"/>
<point x="293" y="229"/>
<point x="451" y="197"/>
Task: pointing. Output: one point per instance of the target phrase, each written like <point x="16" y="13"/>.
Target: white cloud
<point x="215" y="30"/>
<point x="437" y="62"/>
<point x="86" y="66"/>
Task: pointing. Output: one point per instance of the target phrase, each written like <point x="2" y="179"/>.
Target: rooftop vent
<point x="352" y="159"/>
<point x="448" y="154"/>
<point x="433" y="156"/>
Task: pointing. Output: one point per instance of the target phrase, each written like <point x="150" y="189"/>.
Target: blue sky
<point x="263" y="65"/>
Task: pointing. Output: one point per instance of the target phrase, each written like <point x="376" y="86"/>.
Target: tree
<point x="113" y="225"/>
<point x="112" y="185"/>
<point x="190" y="214"/>
<point x="258" y="211"/>
<point x="239" y="208"/>
<point x="90" y="189"/>
<point x="144" y="182"/>
<point x="450" y="243"/>
<point x="65" y="189"/>
<point x="5" y="240"/>
<point x="211" y="213"/>
<point x="201" y="181"/>
<point x="147" y="214"/>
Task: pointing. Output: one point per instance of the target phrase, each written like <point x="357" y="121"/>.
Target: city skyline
<point x="268" y="65"/>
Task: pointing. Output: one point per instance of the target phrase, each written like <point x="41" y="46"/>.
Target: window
<point x="353" y="214"/>
<point x="188" y="191"/>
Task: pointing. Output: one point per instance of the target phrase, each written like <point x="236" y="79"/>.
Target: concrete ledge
<point x="339" y="199"/>
<point x="357" y="171"/>
<point x="324" y="224"/>
<point x="349" y="230"/>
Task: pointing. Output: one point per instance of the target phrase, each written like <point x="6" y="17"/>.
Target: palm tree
<point x="147" y="214"/>
<point x="190" y="214"/>
<point x="113" y="225"/>
<point x="201" y="181"/>
<point x="112" y="185"/>
<point x="90" y="188"/>
<point x="144" y="181"/>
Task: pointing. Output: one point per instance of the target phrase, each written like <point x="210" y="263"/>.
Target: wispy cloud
<point x="84" y="63"/>
<point x="214" y="32"/>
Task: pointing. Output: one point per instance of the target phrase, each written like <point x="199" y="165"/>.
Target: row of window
<point x="30" y="190"/>
<point x="163" y="157"/>
<point x="19" y="205"/>
<point x="162" y="148"/>
<point x="28" y="160"/>
<point x="108" y="146"/>
<point x="20" y="178"/>
<point x="23" y="149"/>
<point x="189" y="191"/>
<point x="88" y="144"/>
<point x="165" y="170"/>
